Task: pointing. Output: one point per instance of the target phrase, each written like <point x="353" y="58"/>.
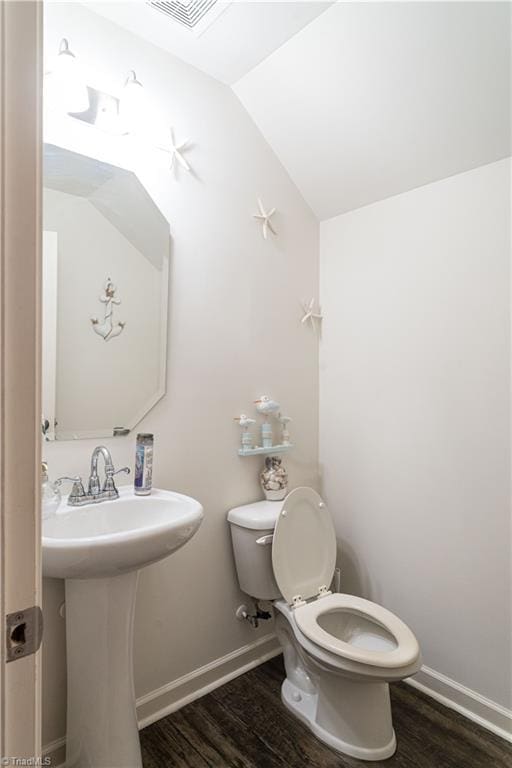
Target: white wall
<point x="415" y="415"/>
<point x="235" y="333"/>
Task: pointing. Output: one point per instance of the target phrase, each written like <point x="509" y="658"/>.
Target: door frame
<point x="21" y="44"/>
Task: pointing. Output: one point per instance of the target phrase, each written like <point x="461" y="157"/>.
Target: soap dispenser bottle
<point x="50" y="495"/>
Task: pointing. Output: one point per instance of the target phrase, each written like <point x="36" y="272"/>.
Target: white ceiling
<point x="359" y="100"/>
<point x="373" y="99"/>
<point x="240" y="38"/>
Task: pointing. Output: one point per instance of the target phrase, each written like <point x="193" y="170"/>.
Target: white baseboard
<point x="56" y="752"/>
<point x="157" y="704"/>
<point x="469" y="703"/>
<point x="171" y="697"/>
<point x="161" y="702"/>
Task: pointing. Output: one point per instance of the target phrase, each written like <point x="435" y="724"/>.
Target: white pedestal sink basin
<point x="98" y="549"/>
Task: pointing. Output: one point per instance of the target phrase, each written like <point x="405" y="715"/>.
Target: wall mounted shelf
<point x="264" y="451"/>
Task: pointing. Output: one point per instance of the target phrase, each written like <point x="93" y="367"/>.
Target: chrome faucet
<point x="95" y="492"/>
<point x="94" y="488"/>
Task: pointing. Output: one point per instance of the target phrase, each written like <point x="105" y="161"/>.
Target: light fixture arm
<point x="64" y="48"/>
<point x="132" y="79"/>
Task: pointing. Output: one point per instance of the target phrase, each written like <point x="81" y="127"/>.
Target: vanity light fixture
<point x="131" y="104"/>
<point x="69" y="91"/>
<point x="66" y="91"/>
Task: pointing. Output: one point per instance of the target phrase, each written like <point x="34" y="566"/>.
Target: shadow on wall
<point x="355" y="579"/>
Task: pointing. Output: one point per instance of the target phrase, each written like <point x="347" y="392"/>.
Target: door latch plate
<point x="23" y="632"/>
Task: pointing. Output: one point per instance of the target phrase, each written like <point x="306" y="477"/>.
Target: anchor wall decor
<point x="107" y="329"/>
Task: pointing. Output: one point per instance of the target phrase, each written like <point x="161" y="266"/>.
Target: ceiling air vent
<point x="194" y="15"/>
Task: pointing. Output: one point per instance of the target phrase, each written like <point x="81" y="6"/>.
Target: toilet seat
<point x="303" y="560"/>
<point x="406" y="651"/>
<point x="303" y="547"/>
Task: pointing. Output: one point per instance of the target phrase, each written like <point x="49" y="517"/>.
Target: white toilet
<point x="340" y="652"/>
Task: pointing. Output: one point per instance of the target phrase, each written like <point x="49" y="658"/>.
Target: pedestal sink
<point x="98" y="549"/>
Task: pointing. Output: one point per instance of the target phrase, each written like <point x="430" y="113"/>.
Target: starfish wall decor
<point x="264" y="218"/>
<point x="176" y="152"/>
<point x="310" y="315"/>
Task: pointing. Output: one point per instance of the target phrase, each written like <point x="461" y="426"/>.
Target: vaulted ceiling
<point x="359" y="100"/>
<point x="232" y="37"/>
<point x="373" y="99"/>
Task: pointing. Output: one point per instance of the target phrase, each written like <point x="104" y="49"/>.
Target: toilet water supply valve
<point x="242" y="614"/>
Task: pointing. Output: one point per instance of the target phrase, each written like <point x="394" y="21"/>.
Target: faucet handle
<point x="77" y="489"/>
<point x="110" y="486"/>
<point x="58" y="482"/>
<point x="126" y="470"/>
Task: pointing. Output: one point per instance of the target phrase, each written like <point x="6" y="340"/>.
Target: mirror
<point x="105" y="294"/>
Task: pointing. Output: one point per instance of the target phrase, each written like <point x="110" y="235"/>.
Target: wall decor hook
<point x="107" y="329"/>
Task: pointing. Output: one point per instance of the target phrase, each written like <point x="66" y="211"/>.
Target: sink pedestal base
<point x="102" y="729"/>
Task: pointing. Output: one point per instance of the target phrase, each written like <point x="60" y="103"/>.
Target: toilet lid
<point x="304" y="546"/>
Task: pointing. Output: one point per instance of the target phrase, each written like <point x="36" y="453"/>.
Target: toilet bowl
<point x="337" y="680"/>
<point x="340" y="651"/>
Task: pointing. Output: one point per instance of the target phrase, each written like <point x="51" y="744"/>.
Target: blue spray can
<point x="143" y="464"/>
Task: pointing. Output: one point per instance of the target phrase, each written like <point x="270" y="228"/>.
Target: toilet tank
<point x="252" y="527"/>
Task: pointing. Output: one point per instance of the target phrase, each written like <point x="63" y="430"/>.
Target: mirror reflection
<point x="105" y="295"/>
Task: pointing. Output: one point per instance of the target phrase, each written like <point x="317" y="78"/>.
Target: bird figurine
<point x="266" y="406"/>
<point x="245" y="422"/>
<point x="285" y="435"/>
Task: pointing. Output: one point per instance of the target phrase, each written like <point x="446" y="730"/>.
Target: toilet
<point x="340" y="651"/>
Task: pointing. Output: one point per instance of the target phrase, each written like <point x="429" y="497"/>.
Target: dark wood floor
<point x="244" y="725"/>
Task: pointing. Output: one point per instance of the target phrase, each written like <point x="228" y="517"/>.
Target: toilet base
<point x="305" y="705"/>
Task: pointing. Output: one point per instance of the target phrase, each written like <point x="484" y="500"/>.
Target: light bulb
<point x="131" y="106"/>
<point x="68" y="89"/>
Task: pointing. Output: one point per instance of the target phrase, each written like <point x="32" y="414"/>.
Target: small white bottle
<point x="50" y="495"/>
